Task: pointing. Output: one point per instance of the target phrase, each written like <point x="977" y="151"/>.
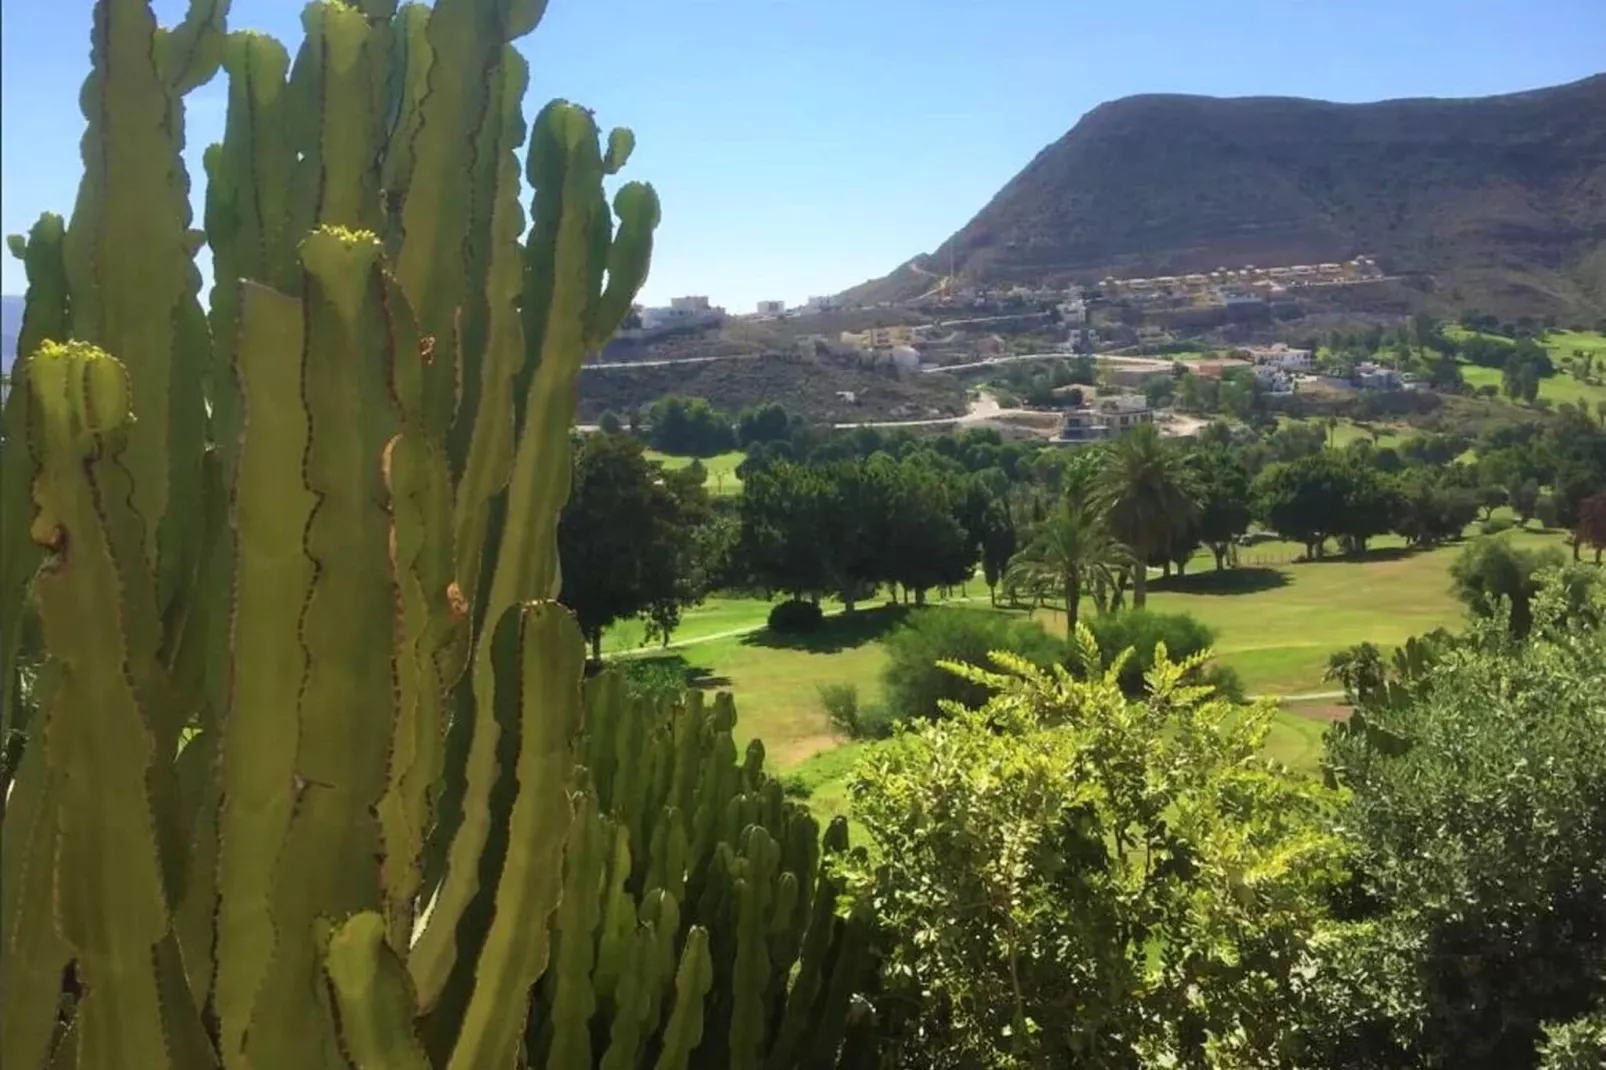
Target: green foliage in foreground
<point x="1075" y="879"/>
<point x="1477" y="913"/>
<point x="306" y="775"/>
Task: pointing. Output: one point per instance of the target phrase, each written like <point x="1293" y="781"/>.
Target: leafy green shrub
<point x="652" y="679"/>
<point x="1495" y="525"/>
<point x="1061" y="880"/>
<point x="847" y="716"/>
<point x="1576" y="1045"/>
<point x="841" y="702"/>
<point x="1477" y="815"/>
<point x="794" y="786"/>
<point x="914" y="684"/>
<point x="1226" y="681"/>
<point x="795" y="616"/>
<point x="1492" y="571"/>
<point x="1141" y="630"/>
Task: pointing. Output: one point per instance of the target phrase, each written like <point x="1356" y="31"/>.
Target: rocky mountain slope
<point x="1502" y="199"/>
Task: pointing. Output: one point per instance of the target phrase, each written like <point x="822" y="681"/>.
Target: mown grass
<point x="714" y="617"/>
<point x="1276" y="625"/>
<point x="1561" y="388"/>
<point x="1347" y="431"/>
<point x="1558" y="389"/>
<point x="721" y="468"/>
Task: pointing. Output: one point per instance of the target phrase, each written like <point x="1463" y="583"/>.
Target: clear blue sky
<point x="802" y="146"/>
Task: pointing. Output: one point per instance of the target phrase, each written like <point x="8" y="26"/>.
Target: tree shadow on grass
<point x="1251" y="580"/>
<point x="835" y="634"/>
<point x="1386" y="553"/>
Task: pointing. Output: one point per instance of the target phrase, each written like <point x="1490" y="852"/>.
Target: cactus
<point x="309" y="775"/>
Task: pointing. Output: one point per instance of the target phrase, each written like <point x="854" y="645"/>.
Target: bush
<point x="794" y="786"/>
<point x="1141" y="630"/>
<point x="795" y="617"/>
<point x="913" y="683"/>
<point x="841" y="702"/>
<point x="1547" y="511"/>
<point x="1496" y="524"/>
<point x="1575" y="1045"/>
<point x="842" y="709"/>
<point x="1226" y="682"/>
<point x="1002" y="884"/>
<point x="1477" y="815"/>
<point x="652" y="679"/>
<point x="1492" y="571"/>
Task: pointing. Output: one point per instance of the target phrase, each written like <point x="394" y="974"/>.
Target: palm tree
<point x="1148" y="496"/>
<point x="1071" y="550"/>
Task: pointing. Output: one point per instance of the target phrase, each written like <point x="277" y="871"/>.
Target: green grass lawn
<point x="1276" y="625"/>
<point x="714" y="617"/>
<point x="722" y="477"/>
<point x="1349" y="431"/>
<point x="1560" y="388"/>
<point x="1557" y="389"/>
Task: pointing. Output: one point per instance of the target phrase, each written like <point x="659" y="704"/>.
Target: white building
<point x="904" y="358"/>
<point x="1274" y="379"/>
<point x="1105" y="418"/>
<point x="689" y="304"/>
<point x="1373" y="376"/>
<point x="658" y="319"/>
<point x="1281" y="356"/>
<point x="772" y="308"/>
<point x="823" y="304"/>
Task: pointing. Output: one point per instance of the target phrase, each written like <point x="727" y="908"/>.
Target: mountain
<point x="10" y="328"/>
<point x="1502" y="199"/>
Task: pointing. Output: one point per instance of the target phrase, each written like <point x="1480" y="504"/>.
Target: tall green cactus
<point x="308" y="775"/>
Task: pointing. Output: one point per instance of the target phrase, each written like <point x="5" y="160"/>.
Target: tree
<point x="1492" y="572"/>
<point x="766" y="423"/>
<point x="998" y="541"/>
<point x="1223" y="500"/>
<point x="1591" y="528"/>
<point x="1477" y="908"/>
<point x="1148" y="496"/>
<point x="785" y="511"/>
<point x="1063" y="877"/>
<point x="914" y="507"/>
<point x="1490" y="498"/>
<point x="609" y="423"/>
<point x="1520" y="380"/>
<point x="1360" y="669"/>
<point x="1070" y="550"/>
<point x="1302" y="499"/>
<point x="914" y="686"/>
<point x="689" y="427"/>
<point x="1430" y="509"/>
<point x="1525" y="499"/>
<point x="1578" y="479"/>
<point x="627" y="539"/>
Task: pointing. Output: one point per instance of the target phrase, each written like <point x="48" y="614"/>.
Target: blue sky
<point x="802" y="146"/>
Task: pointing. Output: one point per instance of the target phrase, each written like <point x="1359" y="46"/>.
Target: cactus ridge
<point x="308" y="772"/>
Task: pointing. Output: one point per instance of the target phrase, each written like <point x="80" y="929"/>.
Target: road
<point x="1138" y="363"/>
<point x="984" y="408"/>
<point x="1024" y="314"/>
<point x="622" y="365"/>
